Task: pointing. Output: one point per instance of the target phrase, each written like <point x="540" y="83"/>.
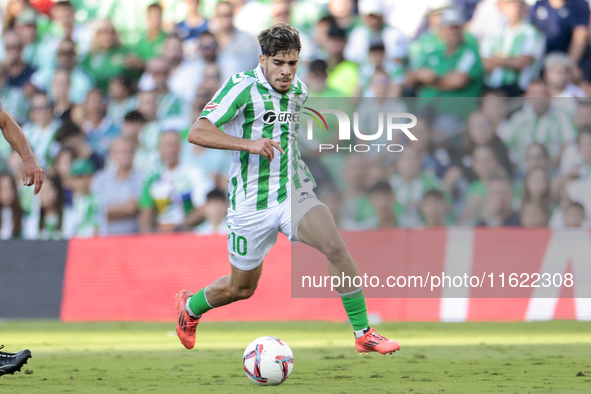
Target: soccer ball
<point x="268" y="361"/>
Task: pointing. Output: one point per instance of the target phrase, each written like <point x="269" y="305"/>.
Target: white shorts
<point x="252" y="234"/>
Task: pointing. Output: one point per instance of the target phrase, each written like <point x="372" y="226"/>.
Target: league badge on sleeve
<point x="211" y="106"/>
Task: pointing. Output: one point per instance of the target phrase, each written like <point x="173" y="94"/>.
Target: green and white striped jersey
<point x="248" y="107"/>
<point x="523" y="39"/>
<point x="553" y="129"/>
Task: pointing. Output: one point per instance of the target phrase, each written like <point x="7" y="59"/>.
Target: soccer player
<point x="266" y="171"/>
<point x="32" y="173"/>
<point x="13" y="362"/>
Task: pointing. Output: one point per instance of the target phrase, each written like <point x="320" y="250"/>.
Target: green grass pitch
<point x="543" y="357"/>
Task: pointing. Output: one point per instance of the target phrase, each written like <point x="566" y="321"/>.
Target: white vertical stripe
<point x="564" y="246"/>
<point x="459" y="253"/>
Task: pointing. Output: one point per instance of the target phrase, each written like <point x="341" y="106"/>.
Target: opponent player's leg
<point x="239" y="285"/>
<point x="318" y="229"/>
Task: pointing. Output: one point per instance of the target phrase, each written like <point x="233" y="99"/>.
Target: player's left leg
<point x="318" y="229"/>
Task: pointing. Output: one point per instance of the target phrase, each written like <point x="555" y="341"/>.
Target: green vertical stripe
<point x="234" y="186"/>
<point x="247" y="134"/>
<point x="242" y="99"/>
<point x="264" y="164"/>
<point x="284" y="170"/>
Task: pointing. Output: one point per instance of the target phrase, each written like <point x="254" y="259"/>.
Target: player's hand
<point x="33" y="174"/>
<point x="265" y="147"/>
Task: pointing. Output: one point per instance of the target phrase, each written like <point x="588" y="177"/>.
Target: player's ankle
<point x="360" y="333"/>
<point x="189" y="311"/>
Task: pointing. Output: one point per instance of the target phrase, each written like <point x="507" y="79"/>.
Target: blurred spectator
<point x="450" y="70"/>
<point x="169" y="104"/>
<point x="582" y="117"/>
<point x="409" y="185"/>
<point x="434" y="209"/>
<point x="215" y="163"/>
<point x="497" y="208"/>
<point x="41" y="131"/>
<point x="558" y="77"/>
<point x="248" y="16"/>
<point x="152" y="43"/>
<point x="61" y="171"/>
<point x="565" y="24"/>
<point x="512" y="54"/>
<point x="534" y="215"/>
<point x="117" y="189"/>
<point x="576" y="154"/>
<point x="343" y="12"/>
<point x="147" y="156"/>
<point x="99" y="128"/>
<point x="63" y="26"/>
<point x="212" y="79"/>
<point x="121" y="98"/>
<point x="494" y="106"/>
<point x="574" y="216"/>
<point x="107" y="57"/>
<point x="26" y="27"/>
<point x="13" y="10"/>
<point x="536" y="155"/>
<point x="214" y="211"/>
<point x="184" y="75"/>
<point x="342" y="74"/>
<point x="128" y="17"/>
<point x="537" y="121"/>
<point x="373" y="26"/>
<point x="480" y="132"/>
<point x="170" y="196"/>
<point x="332" y="197"/>
<point x="47" y="224"/>
<point x="436" y="160"/>
<point x="239" y="51"/>
<point x="14" y="102"/>
<point x="83" y="220"/>
<point x="487" y="18"/>
<point x="557" y="74"/>
<point x="536" y="189"/>
<point x="70" y="135"/>
<point x="17" y="71"/>
<point x="485" y="166"/>
<point x="133" y="123"/>
<point x="11" y="213"/>
<point x="66" y="59"/>
<point x="381" y="197"/>
<point x="377" y="60"/>
<point x="578" y="163"/>
<point x="62" y="107"/>
<point x="316" y="81"/>
<point x="191" y="28"/>
<point x="357" y="212"/>
<point x="428" y="41"/>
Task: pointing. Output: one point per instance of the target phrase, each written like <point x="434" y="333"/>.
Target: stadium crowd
<point x="106" y="92"/>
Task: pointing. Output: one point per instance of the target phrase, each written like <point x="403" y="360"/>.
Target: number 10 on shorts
<point x="239" y="244"/>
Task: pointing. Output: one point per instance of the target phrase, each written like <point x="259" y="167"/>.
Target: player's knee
<point x="334" y="249"/>
<point x="243" y="293"/>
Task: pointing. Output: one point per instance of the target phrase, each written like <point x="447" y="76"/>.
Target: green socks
<point x="354" y="304"/>
<point x="198" y="304"/>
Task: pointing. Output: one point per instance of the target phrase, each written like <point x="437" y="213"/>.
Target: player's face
<point x="280" y="70"/>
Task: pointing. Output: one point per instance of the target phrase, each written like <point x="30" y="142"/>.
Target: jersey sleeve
<point x="229" y="101"/>
<point x="470" y="64"/>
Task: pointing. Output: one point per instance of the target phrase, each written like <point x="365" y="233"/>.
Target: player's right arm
<point x="33" y="174"/>
<point x="208" y="135"/>
<point x="227" y="103"/>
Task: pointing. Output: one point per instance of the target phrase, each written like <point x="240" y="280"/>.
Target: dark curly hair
<point x="280" y="37"/>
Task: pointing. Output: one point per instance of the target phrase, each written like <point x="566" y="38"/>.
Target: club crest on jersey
<point x="266" y="96"/>
<point x="211" y="106"/>
<point x="270" y="117"/>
